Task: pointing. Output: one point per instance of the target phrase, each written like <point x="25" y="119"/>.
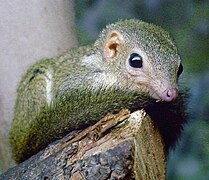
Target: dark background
<point x="188" y="22"/>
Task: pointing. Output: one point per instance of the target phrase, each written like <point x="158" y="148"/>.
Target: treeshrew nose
<point x="169" y="95"/>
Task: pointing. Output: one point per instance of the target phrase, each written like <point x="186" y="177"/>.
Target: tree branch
<point x="121" y="146"/>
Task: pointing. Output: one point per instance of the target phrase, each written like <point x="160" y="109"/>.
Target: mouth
<point x="169" y="95"/>
<point x="151" y="92"/>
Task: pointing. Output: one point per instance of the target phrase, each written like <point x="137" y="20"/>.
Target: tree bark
<point x="121" y="146"/>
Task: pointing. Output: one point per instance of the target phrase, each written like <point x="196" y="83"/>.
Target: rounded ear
<point x="112" y="45"/>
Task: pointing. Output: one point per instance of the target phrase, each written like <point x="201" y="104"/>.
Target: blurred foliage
<point x="188" y="22"/>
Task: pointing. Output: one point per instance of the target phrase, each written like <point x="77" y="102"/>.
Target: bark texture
<point x="121" y="146"/>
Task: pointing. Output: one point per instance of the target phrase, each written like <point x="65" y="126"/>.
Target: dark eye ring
<point x="135" y="60"/>
<point x="180" y="70"/>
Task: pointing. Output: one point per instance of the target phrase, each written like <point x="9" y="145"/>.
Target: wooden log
<point x="121" y="146"/>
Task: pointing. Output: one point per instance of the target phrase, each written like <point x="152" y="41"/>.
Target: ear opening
<point x="112" y="45"/>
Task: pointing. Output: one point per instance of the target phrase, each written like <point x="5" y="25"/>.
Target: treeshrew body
<point x="132" y="65"/>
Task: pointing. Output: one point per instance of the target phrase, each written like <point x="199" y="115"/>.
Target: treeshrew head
<point x="143" y="56"/>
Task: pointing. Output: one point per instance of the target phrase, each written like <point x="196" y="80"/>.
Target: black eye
<point x="180" y="70"/>
<point x="135" y="60"/>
